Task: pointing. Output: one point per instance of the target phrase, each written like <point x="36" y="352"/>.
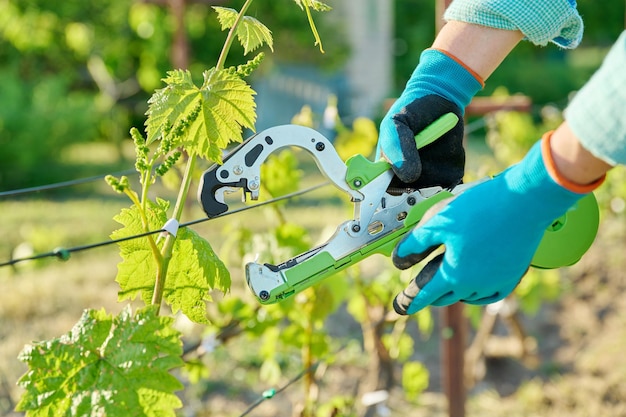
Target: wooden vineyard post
<point x="453" y="335"/>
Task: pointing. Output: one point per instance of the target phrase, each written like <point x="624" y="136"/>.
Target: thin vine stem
<point x="168" y="246"/>
<point x="316" y="35"/>
<point x="145" y="184"/>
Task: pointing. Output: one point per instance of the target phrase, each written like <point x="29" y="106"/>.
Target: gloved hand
<point x="439" y="85"/>
<point x="490" y="233"/>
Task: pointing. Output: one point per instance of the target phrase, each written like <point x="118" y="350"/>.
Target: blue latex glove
<point x="490" y="233"/>
<point x="438" y="85"/>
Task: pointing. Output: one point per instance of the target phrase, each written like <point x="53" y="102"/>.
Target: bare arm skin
<point x="483" y="49"/>
<point x="572" y="161"/>
<point x="480" y="48"/>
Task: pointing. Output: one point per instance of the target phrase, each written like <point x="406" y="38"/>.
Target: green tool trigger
<point x="361" y="170"/>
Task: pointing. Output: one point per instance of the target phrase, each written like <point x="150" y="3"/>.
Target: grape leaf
<point x="105" y="365"/>
<point x="173" y="100"/>
<point x="227" y="106"/>
<point x="193" y="271"/>
<point x="251" y="33"/>
<point x="202" y="119"/>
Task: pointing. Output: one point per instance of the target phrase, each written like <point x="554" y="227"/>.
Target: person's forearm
<point x="572" y="161"/>
<point x="480" y="48"/>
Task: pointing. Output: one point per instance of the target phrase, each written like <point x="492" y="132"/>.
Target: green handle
<point x="321" y="266"/>
<point x="436" y="129"/>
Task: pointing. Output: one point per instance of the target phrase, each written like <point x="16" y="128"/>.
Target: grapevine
<point x="120" y="366"/>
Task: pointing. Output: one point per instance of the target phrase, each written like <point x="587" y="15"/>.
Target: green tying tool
<point x="381" y="217"/>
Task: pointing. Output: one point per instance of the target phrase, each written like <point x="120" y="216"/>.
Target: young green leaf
<point x="250" y="32"/>
<point x="169" y="103"/>
<point x="227" y="107"/>
<point x="137" y="271"/>
<point x="194" y="269"/>
<point x="105" y="365"/>
<point x="202" y="119"/>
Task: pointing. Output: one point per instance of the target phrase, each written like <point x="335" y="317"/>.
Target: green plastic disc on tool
<point x="567" y="239"/>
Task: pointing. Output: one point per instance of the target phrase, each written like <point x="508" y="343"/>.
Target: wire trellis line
<point x="64" y="253"/>
<point x="469" y="128"/>
<point x="63" y="184"/>
<point x="271" y="393"/>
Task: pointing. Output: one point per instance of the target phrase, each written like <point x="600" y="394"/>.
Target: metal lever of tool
<point x="242" y="167"/>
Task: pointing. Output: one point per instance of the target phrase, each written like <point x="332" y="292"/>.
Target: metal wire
<point x="62" y="184"/>
<point x="64" y="253"/>
<point x="271" y="393"/>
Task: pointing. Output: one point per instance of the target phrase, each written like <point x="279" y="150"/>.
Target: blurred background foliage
<point x="81" y="72"/>
<point x="546" y="74"/>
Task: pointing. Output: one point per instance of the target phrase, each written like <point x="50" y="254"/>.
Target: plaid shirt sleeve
<point x="597" y="113"/>
<point x="541" y="21"/>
